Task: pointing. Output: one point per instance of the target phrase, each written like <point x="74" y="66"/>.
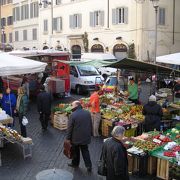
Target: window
<point x="24" y="11"/>
<point x="10" y="37"/>
<point x="162" y="16"/>
<point x="34" y="10"/>
<point x="9" y="20"/>
<point x="120" y="15"/>
<point x="16" y="14"/>
<point x="25" y="35"/>
<point x="3" y="2"/>
<point x="57" y="24"/>
<point x="34" y="34"/>
<point x="45" y="25"/>
<point x="3" y="22"/>
<point x="3" y="38"/>
<point x="9" y="1"/>
<point x="97" y="18"/>
<point x="16" y="36"/>
<point x="58" y="2"/>
<point x="75" y="21"/>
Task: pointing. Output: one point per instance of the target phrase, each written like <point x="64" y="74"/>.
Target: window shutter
<point x="102" y="18"/>
<point x="61" y="23"/>
<point x="161" y="16"/>
<point x="55" y="24"/>
<point x="14" y="15"/>
<point x="79" y="20"/>
<point x="125" y="15"/>
<point x="114" y="16"/>
<point x="27" y="11"/>
<point x="22" y="13"/>
<point x="31" y="10"/>
<point x="71" y="22"/>
<point x="92" y="23"/>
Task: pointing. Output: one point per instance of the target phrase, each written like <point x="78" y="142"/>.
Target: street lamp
<point x="3" y="39"/>
<point x="46" y="2"/>
<point x="156" y="6"/>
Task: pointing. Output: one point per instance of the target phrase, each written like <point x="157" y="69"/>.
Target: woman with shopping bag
<point x="21" y="110"/>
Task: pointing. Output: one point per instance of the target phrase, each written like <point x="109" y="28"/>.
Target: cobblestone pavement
<point x="47" y="153"/>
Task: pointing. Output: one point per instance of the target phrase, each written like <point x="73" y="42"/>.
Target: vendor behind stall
<point x="153" y="114"/>
<point x="133" y="91"/>
<point x="177" y="91"/>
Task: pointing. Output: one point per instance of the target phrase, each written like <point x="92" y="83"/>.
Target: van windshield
<point x="87" y="70"/>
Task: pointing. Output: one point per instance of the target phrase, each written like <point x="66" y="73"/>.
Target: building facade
<point x="124" y="27"/>
<point x="26" y="23"/>
<point x="6" y="26"/>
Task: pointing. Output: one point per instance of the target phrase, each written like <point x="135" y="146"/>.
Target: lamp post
<point x="2" y="38"/>
<point x="156" y="6"/>
<point x="51" y="4"/>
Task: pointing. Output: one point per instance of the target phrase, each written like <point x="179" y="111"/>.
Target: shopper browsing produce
<point x="177" y="91"/>
<point x="153" y="114"/>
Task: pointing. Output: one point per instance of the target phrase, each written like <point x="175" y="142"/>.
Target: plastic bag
<point x="24" y="121"/>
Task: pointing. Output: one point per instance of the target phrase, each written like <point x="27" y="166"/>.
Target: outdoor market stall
<point x="12" y="65"/>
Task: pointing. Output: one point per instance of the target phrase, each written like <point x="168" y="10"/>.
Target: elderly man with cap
<point x="177" y="91"/>
<point x="114" y="156"/>
<point x="79" y="134"/>
<point x="153" y="114"/>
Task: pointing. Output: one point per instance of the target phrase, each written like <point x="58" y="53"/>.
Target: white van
<point x="84" y="78"/>
<point x="104" y="71"/>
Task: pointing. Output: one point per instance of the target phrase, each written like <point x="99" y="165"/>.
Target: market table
<point x="8" y="120"/>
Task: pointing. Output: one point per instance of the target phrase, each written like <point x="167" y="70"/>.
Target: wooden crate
<point x="163" y="169"/>
<point x="152" y="165"/>
<point x="105" y="127"/>
<point x="60" y="121"/>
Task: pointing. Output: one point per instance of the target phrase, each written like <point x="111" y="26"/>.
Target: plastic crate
<point x="130" y="132"/>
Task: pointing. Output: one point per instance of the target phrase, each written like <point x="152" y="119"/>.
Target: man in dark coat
<point x="44" y="107"/>
<point x="153" y="114"/>
<point x="114" y="155"/>
<point x="79" y="134"/>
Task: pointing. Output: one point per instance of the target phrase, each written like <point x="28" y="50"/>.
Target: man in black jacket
<point x="44" y="107"/>
<point x="153" y="114"/>
<point x="79" y="134"/>
<point x="114" y="155"/>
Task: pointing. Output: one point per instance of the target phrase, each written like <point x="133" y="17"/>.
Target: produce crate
<point x="163" y="169"/>
<point x="174" y="171"/>
<point x="106" y="127"/>
<point x="130" y="132"/>
<point x="152" y="165"/>
<point x="60" y="121"/>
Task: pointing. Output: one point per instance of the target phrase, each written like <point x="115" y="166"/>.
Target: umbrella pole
<point x="9" y="98"/>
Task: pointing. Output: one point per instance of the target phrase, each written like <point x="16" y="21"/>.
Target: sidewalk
<point x="47" y="154"/>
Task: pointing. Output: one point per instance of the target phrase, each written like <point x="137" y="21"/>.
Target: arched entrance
<point x="120" y="51"/>
<point x="97" y="48"/>
<point x="76" y="52"/>
<point x="45" y="47"/>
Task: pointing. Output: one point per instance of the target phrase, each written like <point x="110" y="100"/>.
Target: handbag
<point x="24" y="121"/>
<point x="67" y="149"/>
<point x="102" y="169"/>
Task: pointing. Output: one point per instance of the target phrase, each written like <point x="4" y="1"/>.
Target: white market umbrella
<point x="13" y="65"/>
<point x="169" y="59"/>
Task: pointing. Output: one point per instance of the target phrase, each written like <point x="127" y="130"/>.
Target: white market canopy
<point x="13" y="65"/>
<point x="169" y="59"/>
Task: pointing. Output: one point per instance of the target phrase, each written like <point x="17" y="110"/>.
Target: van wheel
<point x="78" y="90"/>
<point x="104" y="76"/>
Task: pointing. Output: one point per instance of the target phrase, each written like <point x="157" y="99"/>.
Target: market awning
<point x="131" y="64"/>
<point x="169" y="59"/>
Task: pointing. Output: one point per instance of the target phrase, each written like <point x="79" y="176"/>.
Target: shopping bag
<point x="102" y="169"/>
<point x="67" y="149"/>
<point x="24" y="121"/>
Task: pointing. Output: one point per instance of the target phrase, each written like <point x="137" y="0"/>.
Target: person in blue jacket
<point x="8" y="102"/>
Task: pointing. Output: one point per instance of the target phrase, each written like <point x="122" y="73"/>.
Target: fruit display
<point x="146" y="145"/>
<point x="161" y="139"/>
<point x="62" y="108"/>
<point x="10" y="134"/>
<point x="169" y="154"/>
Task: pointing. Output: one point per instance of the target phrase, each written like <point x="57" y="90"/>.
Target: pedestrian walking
<point x="133" y="91"/>
<point x="95" y="111"/>
<point x="8" y="103"/>
<point x="44" y="107"/>
<point x="21" y="109"/>
<point x="153" y="114"/>
<point x="114" y="156"/>
<point x="79" y="134"/>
